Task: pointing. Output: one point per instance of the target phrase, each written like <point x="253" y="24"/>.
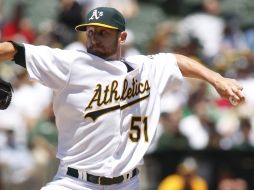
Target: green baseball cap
<point x="103" y="16"/>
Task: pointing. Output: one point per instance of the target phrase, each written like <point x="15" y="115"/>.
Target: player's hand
<point x="230" y="89"/>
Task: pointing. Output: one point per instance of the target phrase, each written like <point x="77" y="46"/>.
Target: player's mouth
<point x="95" y="48"/>
<point x="97" y="51"/>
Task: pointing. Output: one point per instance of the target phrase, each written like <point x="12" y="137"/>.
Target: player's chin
<point x="98" y="53"/>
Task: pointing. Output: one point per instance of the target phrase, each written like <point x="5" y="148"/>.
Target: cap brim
<point x="82" y="27"/>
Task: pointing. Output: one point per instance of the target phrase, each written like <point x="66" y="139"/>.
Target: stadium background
<point x="224" y="154"/>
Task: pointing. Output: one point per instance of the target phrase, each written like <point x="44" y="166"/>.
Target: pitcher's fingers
<point x="240" y="96"/>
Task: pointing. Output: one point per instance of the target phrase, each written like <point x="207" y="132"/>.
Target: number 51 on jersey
<point x="138" y="127"/>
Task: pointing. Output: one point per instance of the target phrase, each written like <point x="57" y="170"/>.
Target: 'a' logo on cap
<point x="96" y="15"/>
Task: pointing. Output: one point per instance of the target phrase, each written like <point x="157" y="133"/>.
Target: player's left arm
<point x="226" y="87"/>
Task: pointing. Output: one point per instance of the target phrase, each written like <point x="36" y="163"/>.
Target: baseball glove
<point x="6" y="91"/>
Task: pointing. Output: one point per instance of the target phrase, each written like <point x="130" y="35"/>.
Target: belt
<point x="100" y="180"/>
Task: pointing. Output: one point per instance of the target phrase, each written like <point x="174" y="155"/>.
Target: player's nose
<point x="93" y="39"/>
<point x="90" y="35"/>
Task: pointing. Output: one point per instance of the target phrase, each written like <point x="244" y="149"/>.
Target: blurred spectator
<point x="227" y="125"/>
<point x="214" y="136"/>
<point x="191" y="48"/>
<point x="16" y="162"/>
<point x="79" y="44"/>
<point x="228" y="179"/>
<point x="176" y="98"/>
<point x="69" y="16"/>
<point x="47" y="34"/>
<point x="233" y="38"/>
<point x="11" y="119"/>
<point x="249" y="34"/>
<point x="233" y="184"/>
<point x="162" y="38"/>
<point x="195" y="125"/>
<point x="22" y="113"/>
<point x="128" y="48"/>
<point x="70" y="13"/>
<point x="234" y="51"/>
<point x="43" y="142"/>
<point x="244" y="136"/>
<point x="27" y="94"/>
<point x="185" y="178"/>
<point x="171" y="138"/>
<point x="19" y="28"/>
<point x="248" y="82"/>
<point x="206" y="26"/>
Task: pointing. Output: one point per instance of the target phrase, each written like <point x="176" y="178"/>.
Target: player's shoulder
<point x="48" y="49"/>
<point x="134" y="58"/>
<point x="57" y="54"/>
<point x="75" y="54"/>
<point x="154" y="58"/>
<point x="150" y="58"/>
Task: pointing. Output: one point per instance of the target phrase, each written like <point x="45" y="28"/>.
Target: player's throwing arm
<point x="226" y="87"/>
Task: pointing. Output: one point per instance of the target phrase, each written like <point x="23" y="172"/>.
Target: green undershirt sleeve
<point x="19" y="57"/>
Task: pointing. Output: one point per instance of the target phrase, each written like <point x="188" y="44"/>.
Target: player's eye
<point x="102" y="32"/>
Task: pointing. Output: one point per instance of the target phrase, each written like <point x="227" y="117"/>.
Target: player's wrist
<point x="214" y="78"/>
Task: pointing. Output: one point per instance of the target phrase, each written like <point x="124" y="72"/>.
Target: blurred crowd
<point x="192" y="117"/>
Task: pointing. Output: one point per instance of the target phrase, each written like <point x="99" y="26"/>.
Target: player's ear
<point x="122" y="37"/>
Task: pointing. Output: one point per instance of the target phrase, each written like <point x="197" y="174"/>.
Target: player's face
<point x="103" y="42"/>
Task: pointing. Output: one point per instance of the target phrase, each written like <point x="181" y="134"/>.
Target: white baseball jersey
<point x="106" y="117"/>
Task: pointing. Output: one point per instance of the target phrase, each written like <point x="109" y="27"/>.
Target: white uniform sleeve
<point x="167" y="73"/>
<point x="48" y="66"/>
